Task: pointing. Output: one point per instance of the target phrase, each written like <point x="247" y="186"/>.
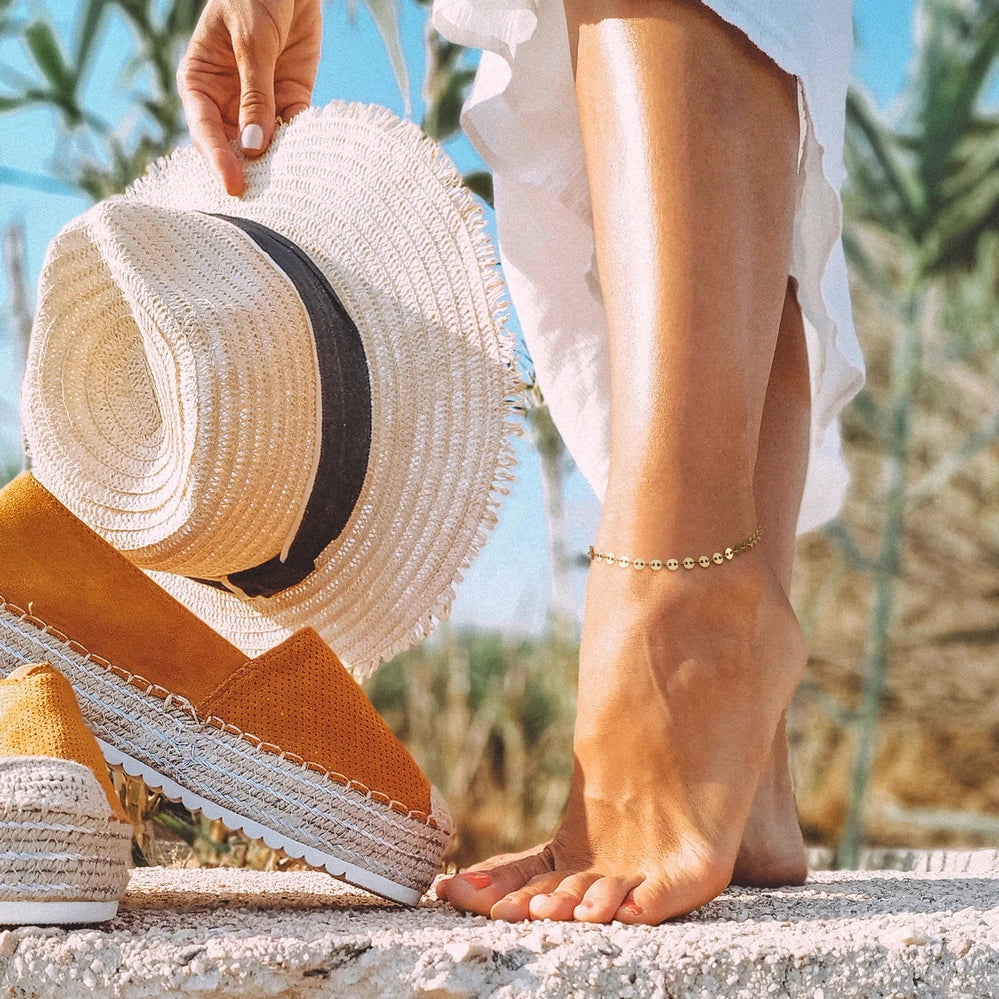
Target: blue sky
<point x="508" y="585"/>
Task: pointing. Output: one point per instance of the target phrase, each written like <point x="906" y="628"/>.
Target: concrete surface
<point x="930" y="931"/>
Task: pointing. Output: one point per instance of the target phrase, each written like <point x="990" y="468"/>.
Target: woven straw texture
<point x="40" y="716"/>
<point x="308" y="807"/>
<point x="58" y="838"/>
<point x="194" y="453"/>
<point x="297" y="697"/>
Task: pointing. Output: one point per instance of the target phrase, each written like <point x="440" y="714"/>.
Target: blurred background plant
<point x="896" y="729"/>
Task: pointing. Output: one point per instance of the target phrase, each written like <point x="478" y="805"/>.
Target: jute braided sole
<point x="63" y="857"/>
<point x="290" y="806"/>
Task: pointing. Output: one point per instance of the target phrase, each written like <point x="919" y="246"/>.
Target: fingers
<point x="289" y="112"/>
<point x="208" y="132"/>
<point x="256" y="58"/>
<point x="227" y="77"/>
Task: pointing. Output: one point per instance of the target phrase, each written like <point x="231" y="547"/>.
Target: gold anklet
<point x="673" y="564"/>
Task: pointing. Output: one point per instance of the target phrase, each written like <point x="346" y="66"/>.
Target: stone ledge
<point x="930" y="931"/>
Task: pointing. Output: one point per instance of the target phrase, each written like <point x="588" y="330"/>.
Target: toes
<point x="558" y="905"/>
<point x="479" y="890"/>
<point x="561" y="904"/>
<point x="516" y="906"/>
<point x="657" y="905"/>
<point x="603" y="898"/>
<point x="441" y="888"/>
<point x="656" y="900"/>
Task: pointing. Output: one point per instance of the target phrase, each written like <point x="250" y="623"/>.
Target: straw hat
<point x="292" y="408"/>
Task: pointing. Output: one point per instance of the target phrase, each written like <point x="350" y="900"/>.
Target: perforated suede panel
<point x="39" y="716"/>
<point x="300" y="699"/>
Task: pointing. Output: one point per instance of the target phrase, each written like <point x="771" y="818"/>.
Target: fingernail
<point x="252" y="137"/>
<point x="477" y="879"/>
<point x="632" y="907"/>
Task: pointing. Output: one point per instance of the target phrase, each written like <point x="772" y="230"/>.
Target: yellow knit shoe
<point x="284" y="747"/>
<point x="65" y="842"/>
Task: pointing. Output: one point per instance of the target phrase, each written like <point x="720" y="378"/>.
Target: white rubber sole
<point x="330" y="826"/>
<point x="338" y="868"/>
<point x="24" y="913"/>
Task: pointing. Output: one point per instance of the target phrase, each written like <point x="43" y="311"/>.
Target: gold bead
<point x="623" y="561"/>
<point x="717" y="558"/>
<point x="609" y="559"/>
<point x="729" y="553"/>
<point x="672" y="565"/>
<point x="655" y="564"/>
<point x="704" y="561"/>
<point x="689" y="563"/>
<point x="639" y="563"/>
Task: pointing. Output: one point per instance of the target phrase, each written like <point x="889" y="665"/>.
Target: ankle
<point x="668" y="523"/>
<point x="659" y="549"/>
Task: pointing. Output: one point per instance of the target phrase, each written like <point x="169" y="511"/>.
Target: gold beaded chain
<point x="673" y="564"/>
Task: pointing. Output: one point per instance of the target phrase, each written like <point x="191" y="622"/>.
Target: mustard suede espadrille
<point x="284" y="747"/>
<point x="65" y="842"/>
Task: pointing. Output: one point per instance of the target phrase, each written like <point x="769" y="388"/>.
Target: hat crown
<point x="195" y="372"/>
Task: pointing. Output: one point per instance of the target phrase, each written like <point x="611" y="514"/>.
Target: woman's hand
<point x="248" y="61"/>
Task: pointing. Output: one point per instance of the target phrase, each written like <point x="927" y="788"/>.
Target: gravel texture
<point x="932" y="930"/>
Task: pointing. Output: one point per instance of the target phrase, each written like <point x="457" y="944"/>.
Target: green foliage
<point x="924" y="199"/>
<point x="480" y="182"/>
<point x="934" y="180"/>
<point x="444" y="85"/>
<point x="95" y="156"/>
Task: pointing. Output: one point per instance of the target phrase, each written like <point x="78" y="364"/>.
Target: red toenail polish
<point x="478" y="879"/>
<point x="633" y="907"/>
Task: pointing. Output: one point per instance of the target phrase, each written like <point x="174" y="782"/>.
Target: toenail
<point x="633" y="907"/>
<point x="477" y="879"/>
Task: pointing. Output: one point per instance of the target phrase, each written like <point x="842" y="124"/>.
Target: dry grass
<point x="938" y="748"/>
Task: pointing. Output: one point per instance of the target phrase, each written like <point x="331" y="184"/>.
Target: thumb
<point x="256" y="97"/>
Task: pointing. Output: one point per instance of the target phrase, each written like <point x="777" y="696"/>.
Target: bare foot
<point x="684" y="678"/>
<point x="772" y="851"/>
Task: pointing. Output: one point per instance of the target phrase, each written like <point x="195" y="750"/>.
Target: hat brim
<point x="384" y="214"/>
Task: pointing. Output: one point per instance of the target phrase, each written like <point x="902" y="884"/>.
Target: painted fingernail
<point x="252" y="137"/>
<point x="633" y="907"/>
<point x="477" y="879"/>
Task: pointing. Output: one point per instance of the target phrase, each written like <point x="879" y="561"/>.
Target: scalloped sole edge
<point x="34" y="913"/>
<point x="328" y="862"/>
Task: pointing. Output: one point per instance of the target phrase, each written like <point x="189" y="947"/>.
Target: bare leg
<point x="772" y="851"/>
<point x="691" y="140"/>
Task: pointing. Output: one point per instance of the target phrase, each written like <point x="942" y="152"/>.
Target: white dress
<point x="522" y="118"/>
